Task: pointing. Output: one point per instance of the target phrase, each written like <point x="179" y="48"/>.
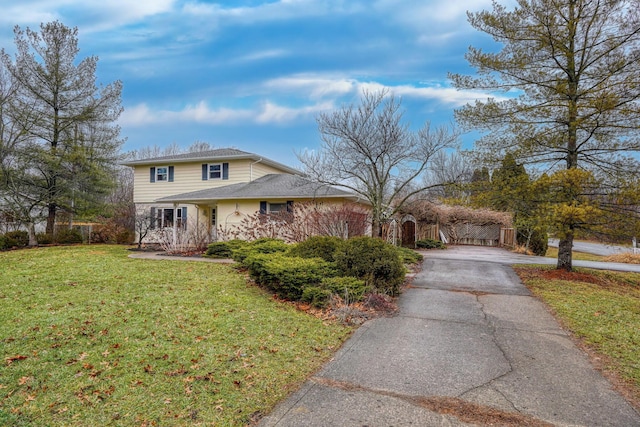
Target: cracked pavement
<point x="470" y="346"/>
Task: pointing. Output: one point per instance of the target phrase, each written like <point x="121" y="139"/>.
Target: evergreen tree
<point x="68" y="120"/>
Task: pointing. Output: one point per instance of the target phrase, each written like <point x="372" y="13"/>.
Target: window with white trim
<point x="162" y="173"/>
<point x="276" y="207"/>
<point x="215" y="171"/>
<point x="164" y="217"/>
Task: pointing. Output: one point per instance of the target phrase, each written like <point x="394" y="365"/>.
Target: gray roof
<point x="272" y="186"/>
<point x="216" y="155"/>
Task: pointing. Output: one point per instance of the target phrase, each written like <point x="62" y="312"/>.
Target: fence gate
<point x="409" y="231"/>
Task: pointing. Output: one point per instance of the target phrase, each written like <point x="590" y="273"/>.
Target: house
<point x="212" y="191"/>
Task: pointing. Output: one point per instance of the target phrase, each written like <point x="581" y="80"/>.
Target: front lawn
<point x="602" y="308"/>
<point x="91" y="337"/>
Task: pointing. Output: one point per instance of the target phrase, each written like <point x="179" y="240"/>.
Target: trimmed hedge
<point x="260" y="246"/>
<point x="375" y="261"/>
<point x="430" y="244"/>
<point x="317" y="247"/>
<point x="224" y="249"/>
<point x="409" y="256"/>
<point x="287" y="276"/>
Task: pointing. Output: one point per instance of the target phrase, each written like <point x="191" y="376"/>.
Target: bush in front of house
<point x="430" y="244"/>
<point x="317" y="247"/>
<point x="224" y="249"/>
<point x="260" y="246"/>
<point x="373" y="260"/>
<point x="409" y="256"/>
<point x="285" y="275"/>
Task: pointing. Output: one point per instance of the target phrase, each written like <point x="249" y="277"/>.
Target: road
<point x="594" y="248"/>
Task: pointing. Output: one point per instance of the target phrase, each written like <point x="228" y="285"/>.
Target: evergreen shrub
<point x="287" y="276"/>
<point x="373" y="260"/>
<point x="260" y="246"/>
<point x="68" y="236"/>
<point x="224" y="249"/>
<point x="317" y="247"/>
<point x="430" y="244"/>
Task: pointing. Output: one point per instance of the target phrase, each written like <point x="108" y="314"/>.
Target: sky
<point x="254" y="74"/>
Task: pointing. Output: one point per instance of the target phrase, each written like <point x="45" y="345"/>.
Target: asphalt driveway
<point x="469" y="346"/>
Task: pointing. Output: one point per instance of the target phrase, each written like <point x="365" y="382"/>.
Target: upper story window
<point x="213" y="171"/>
<point x="161" y="174"/>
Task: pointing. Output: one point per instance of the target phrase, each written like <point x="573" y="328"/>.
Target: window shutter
<point x="289" y="206"/>
<point x="205" y="169"/>
<point x="184" y="218"/>
<point x="152" y="174"/>
<point x="225" y="171"/>
<point x="153" y="219"/>
<point x="263" y="207"/>
<point x="170" y="173"/>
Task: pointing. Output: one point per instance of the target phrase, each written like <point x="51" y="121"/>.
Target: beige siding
<point x="188" y="177"/>
<point x="258" y="169"/>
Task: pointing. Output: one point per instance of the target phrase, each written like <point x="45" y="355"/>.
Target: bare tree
<point x="369" y="150"/>
<point x="143" y="224"/>
<point x="449" y="174"/>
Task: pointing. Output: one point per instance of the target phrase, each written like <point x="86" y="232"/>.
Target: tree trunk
<point x="33" y="241"/>
<point x="376" y="228"/>
<point x="51" y="219"/>
<point x="564" y="252"/>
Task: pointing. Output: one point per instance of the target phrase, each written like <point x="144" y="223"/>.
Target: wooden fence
<point x="468" y="234"/>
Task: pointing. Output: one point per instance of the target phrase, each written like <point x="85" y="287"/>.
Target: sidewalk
<point x="470" y="346"/>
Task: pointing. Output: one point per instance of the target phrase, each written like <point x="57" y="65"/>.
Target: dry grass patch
<point x="626" y="258"/>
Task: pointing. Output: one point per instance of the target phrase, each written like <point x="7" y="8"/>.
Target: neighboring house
<point x="214" y="190"/>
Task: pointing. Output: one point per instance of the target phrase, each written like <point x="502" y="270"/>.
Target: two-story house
<point x="213" y="190"/>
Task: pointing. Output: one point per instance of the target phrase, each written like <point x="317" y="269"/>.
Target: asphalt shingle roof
<point x="217" y="155"/>
<point x="272" y="186"/>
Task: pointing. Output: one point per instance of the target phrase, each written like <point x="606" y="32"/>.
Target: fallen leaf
<point x="12" y="359"/>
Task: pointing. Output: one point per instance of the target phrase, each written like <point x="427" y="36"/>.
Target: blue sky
<point x="254" y="74"/>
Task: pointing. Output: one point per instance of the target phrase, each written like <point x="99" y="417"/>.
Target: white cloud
<point x="93" y="15"/>
<point x="269" y="11"/>
<point x="201" y="113"/>
<point x="311" y="86"/>
<point x="273" y="113"/>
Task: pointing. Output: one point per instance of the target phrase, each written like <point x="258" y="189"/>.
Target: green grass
<point x="91" y="337"/>
<point x="552" y="252"/>
<point x="600" y="307"/>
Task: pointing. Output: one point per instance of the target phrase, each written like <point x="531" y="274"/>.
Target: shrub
<point x="430" y="244"/>
<point x="224" y="249"/>
<point x="260" y="246"/>
<point x="316" y="296"/>
<point x="287" y="276"/>
<point x="317" y="247"/>
<point x="68" y="235"/>
<point x="18" y="238"/>
<point x="409" y="256"/>
<point x="538" y="242"/>
<point x="44" y="239"/>
<point x="348" y="288"/>
<point x="4" y="245"/>
<point x="373" y="260"/>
